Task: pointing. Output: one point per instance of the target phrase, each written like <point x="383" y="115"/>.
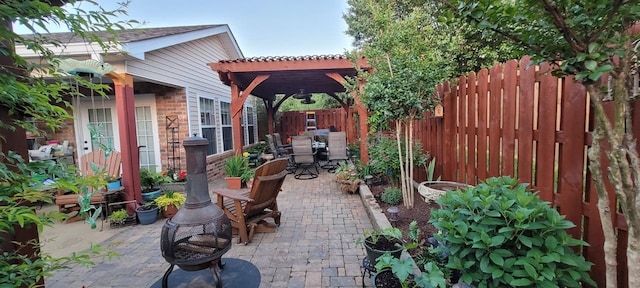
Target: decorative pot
<point x="234" y="182"/>
<point x="385" y="278"/>
<point x="169" y="211"/>
<point x="146" y="217"/>
<point x="373" y="253"/>
<point x="150" y="196"/>
<point x="349" y="186"/>
<point x="113" y="185"/>
<point x="432" y="190"/>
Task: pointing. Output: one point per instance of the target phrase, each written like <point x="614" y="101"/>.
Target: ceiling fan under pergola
<point x="306" y="97"/>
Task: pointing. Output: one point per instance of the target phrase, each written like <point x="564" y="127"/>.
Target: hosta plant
<point x="499" y="234"/>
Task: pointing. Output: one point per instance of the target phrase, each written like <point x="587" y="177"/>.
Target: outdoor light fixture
<point x="302" y="95"/>
<point x="308" y="100"/>
<point x="393" y="215"/>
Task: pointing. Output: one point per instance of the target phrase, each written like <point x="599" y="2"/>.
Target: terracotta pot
<point x="169" y="211"/>
<point x="234" y="182"/>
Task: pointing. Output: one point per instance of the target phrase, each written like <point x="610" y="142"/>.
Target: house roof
<point x="136" y="42"/>
<point x="287" y="75"/>
<point x="129" y="35"/>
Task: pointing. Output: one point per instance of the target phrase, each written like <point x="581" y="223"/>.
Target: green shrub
<point x="499" y="234"/>
<point x="383" y="155"/>
<point x="391" y="195"/>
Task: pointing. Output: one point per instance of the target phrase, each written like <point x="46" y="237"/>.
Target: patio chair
<point x="68" y="203"/>
<point x="337" y="142"/>
<point x="248" y="211"/>
<point x="303" y="157"/>
<point x="282" y="152"/>
<point x="279" y="145"/>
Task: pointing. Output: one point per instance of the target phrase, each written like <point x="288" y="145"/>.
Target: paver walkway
<point x="313" y="247"/>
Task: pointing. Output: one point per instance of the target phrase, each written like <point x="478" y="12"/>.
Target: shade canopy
<point x="288" y="75"/>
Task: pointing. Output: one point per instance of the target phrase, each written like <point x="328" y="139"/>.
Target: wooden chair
<point x="248" y="211"/>
<point x="68" y="203"/>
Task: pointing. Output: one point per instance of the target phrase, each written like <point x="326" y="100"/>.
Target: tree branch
<point x="614" y="10"/>
<point x="572" y="39"/>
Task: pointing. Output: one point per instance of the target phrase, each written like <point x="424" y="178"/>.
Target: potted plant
<point x="150" y="182"/>
<point x="378" y="242"/>
<point x="147" y="213"/>
<point x="113" y="183"/>
<point x="169" y="203"/>
<point x="348" y="177"/>
<point x="247" y="177"/>
<point x="234" y="167"/>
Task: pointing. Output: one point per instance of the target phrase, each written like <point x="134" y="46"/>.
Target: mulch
<point x="421" y="212"/>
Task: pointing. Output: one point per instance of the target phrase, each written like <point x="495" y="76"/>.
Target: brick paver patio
<point x="313" y="247"/>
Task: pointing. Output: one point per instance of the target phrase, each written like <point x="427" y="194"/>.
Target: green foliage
<point x="247" y="175"/>
<point x="118" y="216"/>
<point x="151" y="180"/>
<point x="383" y="156"/>
<point x="583" y="35"/>
<point x="170" y="198"/>
<point x="430" y="169"/>
<point x="404" y="268"/>
<point x="236" y="165"/>
<point x="391" y="196"/>
<point x="500" y="234"/>
<point x="41" y="100"/>
<point x="374" y="235"/>
<point x="347" y="172"/>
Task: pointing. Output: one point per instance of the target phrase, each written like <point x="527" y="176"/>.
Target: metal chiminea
<point x="199" y="234"/>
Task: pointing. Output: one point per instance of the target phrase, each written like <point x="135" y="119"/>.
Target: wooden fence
<point x="523" y="122"/>
<point x="293" y="122"/>
<point x="519" y="121"/>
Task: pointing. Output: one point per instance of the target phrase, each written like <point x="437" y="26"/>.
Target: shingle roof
<point x="285" y="58"/>
<point x="130" y="35"/>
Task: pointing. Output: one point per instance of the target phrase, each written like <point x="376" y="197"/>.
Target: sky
<point x="260" y="27"/>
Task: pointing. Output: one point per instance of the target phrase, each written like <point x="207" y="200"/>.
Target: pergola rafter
<point x="266" y="77"/>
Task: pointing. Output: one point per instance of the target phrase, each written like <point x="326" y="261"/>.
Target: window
<point x="251" y="125"/>
<point x="225" y="120"/>
<point x="208" y="122"/>
<point x="144" y="130"/>
<point x="101" y="128"/>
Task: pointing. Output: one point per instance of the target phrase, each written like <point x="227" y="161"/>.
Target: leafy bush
<point x="383" y="154"/>
<point x="499" y="234"/>
<point x="150" y="180"/>
<point x="391" y="196"/>
<point x="236" y="165"/>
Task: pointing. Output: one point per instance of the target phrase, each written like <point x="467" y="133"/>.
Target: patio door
<point x="146" y="136"/>
<point x="98" y="126"/>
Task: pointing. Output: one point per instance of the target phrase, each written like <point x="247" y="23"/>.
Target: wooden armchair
<point x="248" y="211"/>
<point x="68" y="203"/>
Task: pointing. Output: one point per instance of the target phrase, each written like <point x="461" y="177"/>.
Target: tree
<point x="588" y="40"/>
<point x="398" y="40"/>
<point x="41" y="100"/>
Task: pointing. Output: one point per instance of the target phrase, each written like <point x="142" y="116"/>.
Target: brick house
<point x="175" y="94"/>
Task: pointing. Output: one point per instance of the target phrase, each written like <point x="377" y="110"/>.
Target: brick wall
<point x="215" y="165"/>
<point x="174" y="105"/>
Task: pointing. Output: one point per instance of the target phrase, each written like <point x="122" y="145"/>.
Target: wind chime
<point x="91" y="69"/>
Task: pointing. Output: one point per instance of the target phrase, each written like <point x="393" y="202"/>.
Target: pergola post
<point x="236" y="118"/>
<point x="364" y="127"/>
<point x="125" y="105"/>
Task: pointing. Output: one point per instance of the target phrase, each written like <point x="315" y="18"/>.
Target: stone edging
<point x="377" y="217"/>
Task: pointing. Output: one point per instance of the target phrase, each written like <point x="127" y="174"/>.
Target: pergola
<point x="266" y="77"/>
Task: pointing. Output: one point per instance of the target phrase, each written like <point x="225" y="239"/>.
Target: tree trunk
<point x="402" y="182"/>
